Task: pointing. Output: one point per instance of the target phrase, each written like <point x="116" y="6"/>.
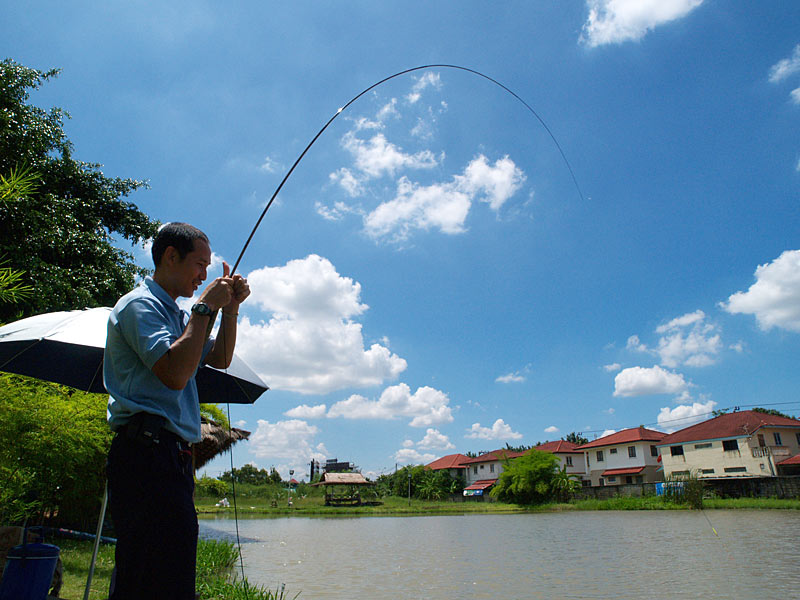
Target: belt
<point x="147" y="429"/>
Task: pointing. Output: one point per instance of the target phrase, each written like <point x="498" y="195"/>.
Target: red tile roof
<point x="559" y="446"/>
<point x="493" y="456"/>
<point x="735" y="424"/>
<point x="630" y="471"/>
<point x="793" y="460"/>
<point x="626" y="436"/>
<point x="481" y="484"/>
<point x="451" y="461"/>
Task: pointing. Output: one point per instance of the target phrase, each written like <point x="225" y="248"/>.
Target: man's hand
<point x="220" y="292"/>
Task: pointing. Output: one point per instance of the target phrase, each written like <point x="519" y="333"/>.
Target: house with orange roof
<point x="451" y="462"/>
<point x="568" y="456"/>
<point x="745" y="443"/>
<point x="627" y="456"/>
<point x="482" y="471"/>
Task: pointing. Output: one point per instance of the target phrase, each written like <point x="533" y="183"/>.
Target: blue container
<point x="29" y="571"/>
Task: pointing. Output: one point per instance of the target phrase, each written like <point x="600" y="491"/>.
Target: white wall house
<point x="739" y="444"/>
<point x="627" y="456"/>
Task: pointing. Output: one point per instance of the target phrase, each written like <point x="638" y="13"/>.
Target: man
<point x="152" y="354"/>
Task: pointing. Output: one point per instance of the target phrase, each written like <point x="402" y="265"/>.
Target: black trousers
<point x="150" y="500"/>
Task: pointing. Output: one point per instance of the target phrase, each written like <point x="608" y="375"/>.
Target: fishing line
<point x="373" y="86"/>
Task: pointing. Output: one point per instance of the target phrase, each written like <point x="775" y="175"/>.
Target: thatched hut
<point x="216" y="440"/>
<point x="343" y="488"/>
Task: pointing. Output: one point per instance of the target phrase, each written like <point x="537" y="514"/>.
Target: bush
<point x="685" y="489"/>
<point x="208" y="486"/>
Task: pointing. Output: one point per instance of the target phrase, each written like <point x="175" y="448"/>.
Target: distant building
<point x="452" y="463"/>
<point x="746" y="443"/>
<point x="628" y="456"/>
<point x="568" y="456"/>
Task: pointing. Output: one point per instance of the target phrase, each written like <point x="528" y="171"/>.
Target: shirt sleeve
<point x="145" y="328"/>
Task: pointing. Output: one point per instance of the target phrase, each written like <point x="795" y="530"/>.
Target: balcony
<point x="778" y="452"/>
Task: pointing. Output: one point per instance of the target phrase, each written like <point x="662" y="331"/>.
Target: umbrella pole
<point x="96" y="542"/>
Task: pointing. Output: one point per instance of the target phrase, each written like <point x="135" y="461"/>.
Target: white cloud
<point x="634" y="343"/>
<point x="307" y="412"/>
<point x="378" y="156"/>
<point x="695" y="348"/>
<point x="434" y="439"/>
<point x="427" y="406"/>
<point x="270" y="165"/>
<point x="608" y="411"/>
<point x="311" y="344"/>
<point x="289" y="441"/>
<point x="408" y="444"/>
<point x="795" y="95"/>
<point x="388" y="110"/>
<point x="686" y="340"/>
<point x="514" y="377"/>
<point x="682" y="416"/>
<point x="551" y="429"/>
<point x="616" y="21"/>
<point x="409" y="456"/>
<point x="444" y="206"/>
<point x="608" y="432"/>
<point x="774" y="299"/>
<point x="641" y="381"/>
<point x="240" y="423"/>
<point x="351" y="184"/>
<point x="786" y="67"/>
<point x="499" y="431"/>
<point x="427" y="79"/>
<point x="612" y="367"/>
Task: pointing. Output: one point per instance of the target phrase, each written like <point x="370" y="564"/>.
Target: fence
<point x="753" y="487"/>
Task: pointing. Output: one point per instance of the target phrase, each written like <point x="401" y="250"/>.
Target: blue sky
<point x="430" y="280"/>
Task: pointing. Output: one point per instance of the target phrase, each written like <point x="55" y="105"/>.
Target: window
<point x="676" y="450"/>
<point x="568" y="460"/>
<point x="602" y="483"/>
<point x="653" y="451"/>
<point x="728" y="445"/>
<point x="475" y="470"/>
<point x="631" y="451"/>
<point x="679" y="474"/>
<point x="701" y="446"/>
<point x="735" y="469"/>
<point x="612" y="479"/>
<point x="599" y="456"/>
<point x="777" y="437"/>
<point x="491" y="468"/>
<point x="612" y="451"/>
<point x="761" y="441"/>
<point x="797" y="435"/>
<point x="482" y="467"/>
<point x="628" y="479"/>
<point x="706" y="471"/>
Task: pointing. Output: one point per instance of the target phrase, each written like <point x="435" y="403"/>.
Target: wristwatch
<point x="201" y="308"/>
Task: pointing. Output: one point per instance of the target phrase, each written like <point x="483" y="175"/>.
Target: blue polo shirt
<point x="143" y="325"/>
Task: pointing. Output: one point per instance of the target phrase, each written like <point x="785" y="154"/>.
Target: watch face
<point x="201" y="309"/>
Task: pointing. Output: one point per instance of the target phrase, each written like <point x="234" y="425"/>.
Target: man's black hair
<point x="180" y="236"/>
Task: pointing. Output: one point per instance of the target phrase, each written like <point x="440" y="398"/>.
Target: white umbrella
<point x="67" y="348"/>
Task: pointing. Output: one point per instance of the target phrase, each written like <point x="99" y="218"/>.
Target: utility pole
<point x="409" y="486"/>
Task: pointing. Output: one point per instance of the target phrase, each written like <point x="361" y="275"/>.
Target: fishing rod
<point x="313" y="141"/>
<point x="373" y="86"/>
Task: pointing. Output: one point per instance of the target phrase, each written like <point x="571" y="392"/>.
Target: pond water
<point x="604" y="554"/>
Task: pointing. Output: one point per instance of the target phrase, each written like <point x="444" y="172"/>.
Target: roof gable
<point x="626" y="436"/>
<point x="451" y="461"/>
<point x="559" y="446"/>
<point x="493" y="456"/>
<point x="735" y="424"/>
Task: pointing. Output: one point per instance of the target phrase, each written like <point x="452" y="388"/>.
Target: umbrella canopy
<point x="216" y="440"/>
<point x="67" y="348"/>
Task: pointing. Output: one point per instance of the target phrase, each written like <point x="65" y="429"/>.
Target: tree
<point x="59" y="230"/>
<point x="576" y="438"/>
<point x="274" y="476"/>
<point x="247" y="474"/>
<point x="564" y="484"/>
<point x="526" y="479"/>
<point x="772" y="411"/>
<point x="53" y="446"/>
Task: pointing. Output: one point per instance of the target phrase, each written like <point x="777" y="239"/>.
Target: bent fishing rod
<point x="370" y="88"/>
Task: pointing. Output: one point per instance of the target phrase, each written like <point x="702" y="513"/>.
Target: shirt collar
<point x="160" y="293"/>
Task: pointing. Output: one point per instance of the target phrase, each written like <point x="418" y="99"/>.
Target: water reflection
<point x="647" y="554"/>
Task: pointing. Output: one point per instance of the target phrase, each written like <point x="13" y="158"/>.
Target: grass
<point x="216" y="562"/>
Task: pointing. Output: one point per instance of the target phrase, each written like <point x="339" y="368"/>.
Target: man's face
<point x="191" y="271"/>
